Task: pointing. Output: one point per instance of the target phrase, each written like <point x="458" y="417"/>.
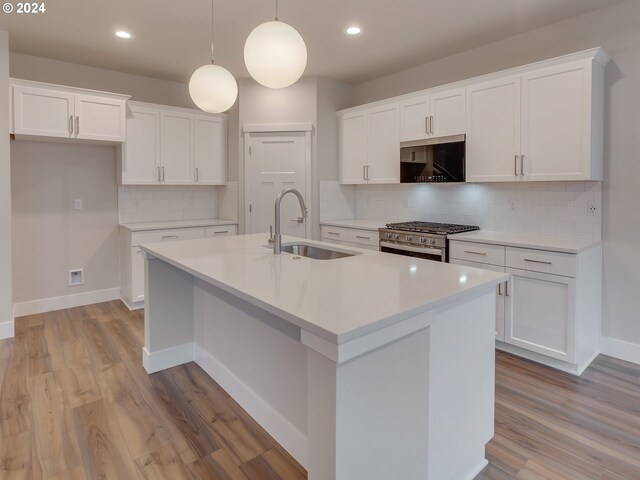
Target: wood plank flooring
<point x="76" y="404"/>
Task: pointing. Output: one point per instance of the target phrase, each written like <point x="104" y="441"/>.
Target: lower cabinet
<point x="132" y="257"/>
<point x="367" y="239"/>
<point x="549" y="310"/>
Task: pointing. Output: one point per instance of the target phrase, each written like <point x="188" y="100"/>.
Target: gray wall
<point x="6" y="304"/>
<point x="617" y="29"/>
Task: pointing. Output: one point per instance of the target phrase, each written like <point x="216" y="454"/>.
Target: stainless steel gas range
<point x="420" y="239"/>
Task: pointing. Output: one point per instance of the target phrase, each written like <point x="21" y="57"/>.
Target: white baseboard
<point x="620" y="349"/>
<point x="132" y="306"/>
<point x="572" y="368"/>
<point x="67" y="301"/>
<point x="291" y="439"/>
<point x="168" y="358"/>
<point x="7" y="330"/>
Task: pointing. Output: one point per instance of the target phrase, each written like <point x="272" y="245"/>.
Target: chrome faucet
<point x="276" y="239"/>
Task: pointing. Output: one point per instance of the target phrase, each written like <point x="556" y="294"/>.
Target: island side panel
<point x="168" y="316"/>
<point x="461" y="388"/>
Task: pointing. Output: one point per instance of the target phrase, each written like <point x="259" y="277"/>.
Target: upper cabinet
<point x="369" y="146"/>
<point x="437" y="115"/>
<point x="173" y="146"/>
<point x="50" y="111"/>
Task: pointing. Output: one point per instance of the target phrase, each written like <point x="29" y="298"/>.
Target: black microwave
<point x="433" y="160"/>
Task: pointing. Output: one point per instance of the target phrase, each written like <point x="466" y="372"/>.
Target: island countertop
<point x="339" y="299"/>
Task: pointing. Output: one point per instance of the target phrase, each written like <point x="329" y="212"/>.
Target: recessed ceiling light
<point x="122" y="34"/>
<point x="353" y="30"/>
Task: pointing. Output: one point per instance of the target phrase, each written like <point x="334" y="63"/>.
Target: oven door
<point x="428" y="253"/>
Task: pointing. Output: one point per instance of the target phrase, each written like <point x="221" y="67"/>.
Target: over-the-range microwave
<point x="433" y="160"/>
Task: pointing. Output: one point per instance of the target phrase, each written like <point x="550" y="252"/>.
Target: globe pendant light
<point x="212" y="87"/>
<point x="275" y="54"/>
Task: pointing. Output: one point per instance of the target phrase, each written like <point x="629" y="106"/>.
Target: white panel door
<point x="383" y="155"/>
<point x="448" y="115"/>
<point x="277" y="161"/>
<point x="42" y="112"/>
<point x="493" y="131"/>
<point x="176" y="148"/>
<point x="556" y="121"/>
<point x="353" y="147"/>
<point x="100" y="118"/>
<point x="141" y="151"/>
<point x="414" y="115"/>
<point x="542" y="314"/>
<point x="210" y="151"/>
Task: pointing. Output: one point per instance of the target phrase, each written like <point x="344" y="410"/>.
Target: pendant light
<point x="275" y="54"/>
<point x="212" y="87"/>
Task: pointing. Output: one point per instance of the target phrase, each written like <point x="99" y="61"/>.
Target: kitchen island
<point x="371" y="366"/>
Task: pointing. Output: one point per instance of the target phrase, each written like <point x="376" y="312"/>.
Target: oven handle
<point x="396" y="246"/>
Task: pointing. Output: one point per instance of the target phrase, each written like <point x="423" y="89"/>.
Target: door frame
<point x="247" y="130"/>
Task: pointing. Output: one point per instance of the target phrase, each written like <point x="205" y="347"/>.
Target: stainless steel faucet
<point x="277" y="238"/>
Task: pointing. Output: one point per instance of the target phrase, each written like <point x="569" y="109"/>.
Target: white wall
<point x="615" y="28"/>
<point x="50" y="237"/>
<point x="6" y="304"/>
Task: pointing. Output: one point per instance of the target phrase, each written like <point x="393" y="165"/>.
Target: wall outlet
<point x="76" y="277"/>
<point x="592" y="209"/>
<point x="513" y="203"/>
<point x="77" y="204"/>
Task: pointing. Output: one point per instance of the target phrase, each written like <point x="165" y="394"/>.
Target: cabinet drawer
<point x="542" y="261"/>
<point x="219" y="231"/>
<point x="329" y="233"/>
<point x="482" y="253"/>
<point x="152" y="236"/>
<point x="364" y="237"/>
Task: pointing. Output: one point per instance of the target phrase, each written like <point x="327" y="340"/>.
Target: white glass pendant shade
<point x="213" y="88"/>
<point x="275" y="54"/>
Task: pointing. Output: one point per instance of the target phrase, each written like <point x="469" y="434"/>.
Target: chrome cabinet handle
<point x="170" y="236"/>
<point x="538" y="261"/>
<point x="367" y="173"/>
<point x="431" y="126"/>
<point x="77" y="125"/>
<point x="363" y="238"/>
<point x="197" y="175"/>
<point x="426" y="124"/>
<point x="506" y="288"/>
<point x="158" y="174"/>
<point x="298" y="220"/>
<point x="475" y="253"/>
<point x="333" y="233"/>
<point x="70" y="124"/>
<point x="500" y="289"/>
<point x="521" y="164"/>
<point x="220" y="232"/>
<point x="364" y="170"/>
<point x="515" y="165"/>
<point x="163" y="174"/>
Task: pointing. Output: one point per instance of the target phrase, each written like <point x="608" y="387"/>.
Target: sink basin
<point x="311" y="251"/>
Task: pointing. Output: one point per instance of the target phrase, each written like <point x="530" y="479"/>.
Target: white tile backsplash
<point x="545" y="208"/>
<point x="154" y="203"/>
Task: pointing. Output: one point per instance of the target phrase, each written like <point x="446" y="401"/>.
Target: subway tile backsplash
<point x="154" y="203"/>
<point x="572" y="209"/>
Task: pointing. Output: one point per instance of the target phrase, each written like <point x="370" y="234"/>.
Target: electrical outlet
<point x="592" y="209"/>
<point x="76" y="277"/>
<point x="513" y="203"/>
<point x="77" y="204"/>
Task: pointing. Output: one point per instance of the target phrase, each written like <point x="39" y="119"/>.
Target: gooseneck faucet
<point x="277" y="238"/>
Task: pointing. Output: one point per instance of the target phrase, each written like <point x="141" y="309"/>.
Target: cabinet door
<point x="448" y="113"/>
<point x="137" y="275"/>
<point x="210" y="151"/>
<point x="353" y="147"/>
<point x="414" y="115"/>
<point x="383" y="154"/>
<point x="42" y="112"/>
<point x="176" y="148"/>
<point x="100" y="118"/>
<point x="542" y="314"/>
<point x="141" y="152"/>
<point x="556" y="121"/>
<point x="493" y="131"/>
<point x="502" y="291"/>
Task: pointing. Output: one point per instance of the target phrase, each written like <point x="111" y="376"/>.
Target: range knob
<point x="396" y="236"/>
<point x="432" y="241"/>
<point x="387" y="235"/>
<point x="408" y="238"/>
<point x="423" y="240"/>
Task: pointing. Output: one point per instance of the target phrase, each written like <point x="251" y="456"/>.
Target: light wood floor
<point x="76" y="403"/>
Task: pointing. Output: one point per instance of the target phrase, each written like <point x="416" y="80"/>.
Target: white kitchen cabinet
<point x="437" y="115"/>
<point x="549" y="310"/>
<point x="50" y="111"/>
<point x="173" y="146"/>
<point x="370" y="146"/>
<point x="132" y="286"/>
<point x="140" y="155"/>
<point x="347" y="236"/>
<point x="210" y="150"/>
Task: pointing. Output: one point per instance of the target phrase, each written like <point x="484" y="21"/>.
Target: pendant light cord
<point x="212" y="58"/>
<point x="276" y="10"/>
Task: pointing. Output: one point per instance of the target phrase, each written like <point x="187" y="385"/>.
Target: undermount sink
<point x="319" y="253"/>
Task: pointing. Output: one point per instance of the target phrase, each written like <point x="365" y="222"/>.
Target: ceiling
<point x="172" y="36"/>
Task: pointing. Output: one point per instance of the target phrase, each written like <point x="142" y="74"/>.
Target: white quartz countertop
<point x="340" y="299"/>
<point x="539" y="242"/>
<point x="207" y="222"/>
<point x="361" y="224"/>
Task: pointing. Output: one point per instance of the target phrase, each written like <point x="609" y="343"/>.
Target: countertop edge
<point x="466" y="237"/>
<point x="354" y="224"/>
<point x="169" y="225"/>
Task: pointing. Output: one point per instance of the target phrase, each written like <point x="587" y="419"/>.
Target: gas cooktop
<point x="430" y="227"/>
